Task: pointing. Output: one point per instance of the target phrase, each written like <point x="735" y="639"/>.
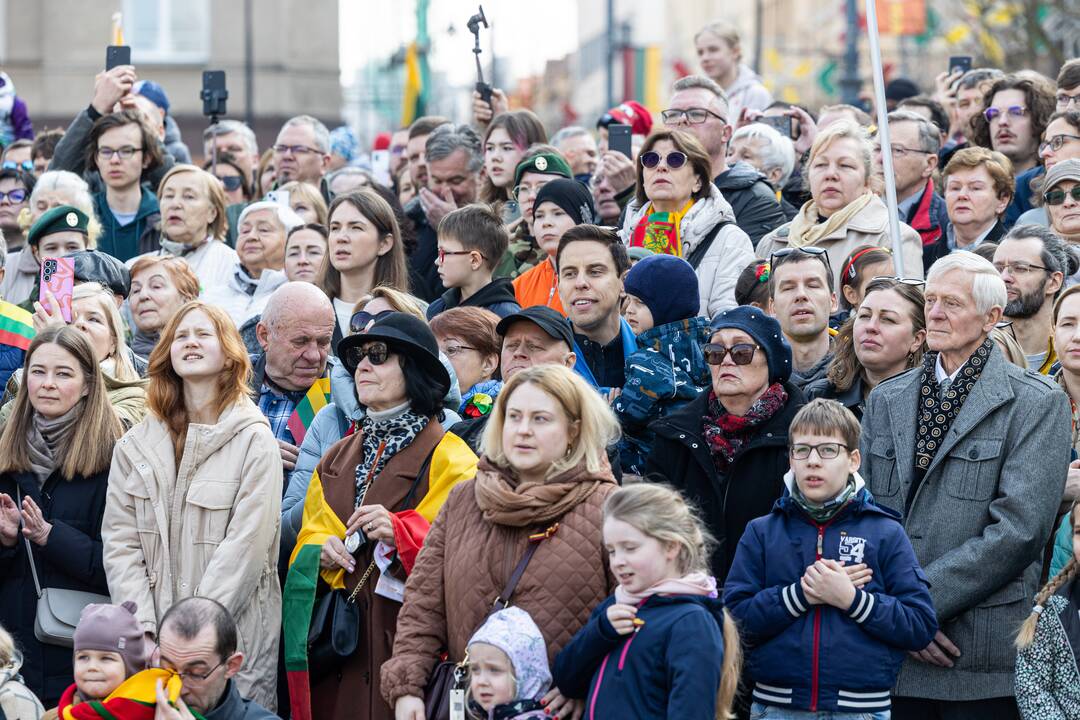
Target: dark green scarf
<point x="825" y="512"/>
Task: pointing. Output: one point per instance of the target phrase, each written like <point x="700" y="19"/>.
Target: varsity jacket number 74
<point x="818" y="657"/>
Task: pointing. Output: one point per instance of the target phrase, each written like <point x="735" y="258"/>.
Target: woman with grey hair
<point x="260" y="247"/>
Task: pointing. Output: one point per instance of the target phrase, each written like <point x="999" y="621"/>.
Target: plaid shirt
<point x="277" y="406"/>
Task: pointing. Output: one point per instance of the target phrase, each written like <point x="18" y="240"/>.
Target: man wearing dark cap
<point x="560" y="204"/>
<point x="534" y="336"/>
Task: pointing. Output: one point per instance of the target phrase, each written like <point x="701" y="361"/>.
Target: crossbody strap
<point x="503" y="600"/>
<point x="29" y="550"/>
<point x="698" y="254"/>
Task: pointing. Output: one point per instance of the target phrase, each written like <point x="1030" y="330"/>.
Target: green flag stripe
<point x="297" y="603"/>
<point x="14" y="326"/>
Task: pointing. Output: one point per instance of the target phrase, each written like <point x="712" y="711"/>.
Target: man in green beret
<point x="541" y="165"/>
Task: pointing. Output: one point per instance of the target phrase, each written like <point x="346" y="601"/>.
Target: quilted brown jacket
<point x="465" y="563"/>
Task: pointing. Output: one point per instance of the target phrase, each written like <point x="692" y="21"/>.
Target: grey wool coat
<point x="981" y="517"/>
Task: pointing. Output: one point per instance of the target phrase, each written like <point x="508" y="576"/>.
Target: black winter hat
<point x="102" y="268"/>
<point x="404" y="334"/>
<point x="573" y="197"/>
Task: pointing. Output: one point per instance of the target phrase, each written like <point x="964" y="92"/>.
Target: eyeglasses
<point x="452" y="351"/>
<point x="14" y="197"/>
<point x="294" y="149"/>
<point x="25" y="165"/>
<point x="1018" y="268"/>
<point x="360" y="321"/>
<point x="825" y="451"/>
<point x="523" y="191"/>
<point x="188" y="676"/>
<point x="376" y="352"/>
<point x="1057" y="197"/>
<point x="1055" y="143"/>
<point x="741" y="353"/>
<point x="444" y="253"/>
<point x="124" y="153"/>
<point x="1013" y="111"/>
<point x="1064" y="100"/>
<point x="692" y="116"/>
<point x="673" y="160"/>
<point x="820" y="253"/>
<point x="902" y="280"/>
<point x="232" y="183"/>
<point x="901" y="151"/>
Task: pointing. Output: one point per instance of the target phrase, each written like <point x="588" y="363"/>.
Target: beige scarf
<point x="806" y="230"/>
<point x="504" y="500"/>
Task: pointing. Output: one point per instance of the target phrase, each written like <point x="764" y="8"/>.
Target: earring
<point x="911" y="359"/>
<point x="569" y="451"/>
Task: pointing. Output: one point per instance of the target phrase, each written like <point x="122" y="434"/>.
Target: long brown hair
<point x="165" y="395"/>
<point x="524" y="129"/>
<point x="661" y="512"/>
<point x="1027" y="631"/>
<point x="390" y="268"/>
<point x="89" y="449"/>
<point x="845" y="365"/>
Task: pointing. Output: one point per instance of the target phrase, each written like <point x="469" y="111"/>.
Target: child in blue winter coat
<point x="508" y="668"/>
<point x="826" y="588"/>
<point x="668" y="368"/>
<point x="663" y="646"/>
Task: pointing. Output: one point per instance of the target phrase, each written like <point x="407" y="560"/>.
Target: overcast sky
<point x="526" y="37"/>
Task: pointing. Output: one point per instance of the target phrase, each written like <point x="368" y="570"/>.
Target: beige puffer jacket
<point x="207" y="528"/>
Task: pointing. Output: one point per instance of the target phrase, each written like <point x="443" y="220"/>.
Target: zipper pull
<point x="820" y="542"/>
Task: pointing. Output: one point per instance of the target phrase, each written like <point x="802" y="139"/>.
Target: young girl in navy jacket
<point x="663" y="646"/>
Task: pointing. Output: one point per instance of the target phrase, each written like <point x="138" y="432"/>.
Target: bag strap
<point x="425" y="469"/>
<point x="29" y="550"/>
<point x="515" y="577"/>
<point x="698" y="253"/>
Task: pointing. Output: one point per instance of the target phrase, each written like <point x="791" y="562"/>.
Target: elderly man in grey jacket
<point x="973" y="451"/>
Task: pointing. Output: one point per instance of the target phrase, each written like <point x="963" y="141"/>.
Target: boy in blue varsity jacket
<point x="826" y="588"/>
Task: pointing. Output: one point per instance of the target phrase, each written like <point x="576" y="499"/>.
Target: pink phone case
<point x="58" y="277"/>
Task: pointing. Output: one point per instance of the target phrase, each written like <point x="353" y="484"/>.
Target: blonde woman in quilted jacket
<point x="543" y="478"/>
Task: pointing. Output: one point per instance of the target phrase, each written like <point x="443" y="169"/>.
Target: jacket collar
<point x="230" y="706"/>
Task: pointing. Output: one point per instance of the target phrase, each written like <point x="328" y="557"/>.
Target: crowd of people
<point x="542" y="429"/>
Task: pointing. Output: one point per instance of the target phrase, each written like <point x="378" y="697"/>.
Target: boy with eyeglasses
<point x="826" y="588"/>
<point x="471" y="241"/>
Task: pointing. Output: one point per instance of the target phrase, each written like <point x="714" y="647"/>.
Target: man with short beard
<point x="801" y="288"/>
<point x="1034" y="262"/>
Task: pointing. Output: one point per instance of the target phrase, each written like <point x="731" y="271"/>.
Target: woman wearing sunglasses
<point x="843" y="211"/>
<point x="727" y="450"/>
<point x="374" y="495"/>
<point x="233" y="179"/>
<point x="1061" y="198"/>
<point x="678" y="211"/>
<point x="885" y="336"/>
<point x="1060" y="142"/>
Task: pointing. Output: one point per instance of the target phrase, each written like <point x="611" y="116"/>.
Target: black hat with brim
<point x="547" y="319"/>
<point x="403" y="334"/>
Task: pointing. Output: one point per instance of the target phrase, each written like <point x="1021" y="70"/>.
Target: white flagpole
<point x="883" y="134"/>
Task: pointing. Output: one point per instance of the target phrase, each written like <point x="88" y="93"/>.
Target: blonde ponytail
<point x="1027" y="631"/>
<point x="730" y="670"/>
<point x="1026" y="636"/>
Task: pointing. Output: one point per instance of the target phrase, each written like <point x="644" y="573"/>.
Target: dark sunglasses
<point x="674" y="159"/>
<point x="25" y="165"/>
<point x="376" y="352"/>
<point x="741" y="353"/>
<point x="232" y="183"/>
<point x="1057" y="197"/>
<point x="780" y="255"/>
<point x="360" y="320"/>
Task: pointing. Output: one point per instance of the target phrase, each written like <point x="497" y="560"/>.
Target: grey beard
<point x="1025" y="306"/>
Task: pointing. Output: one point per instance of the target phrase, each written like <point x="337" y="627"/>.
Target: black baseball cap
<point x="548" y="320"/>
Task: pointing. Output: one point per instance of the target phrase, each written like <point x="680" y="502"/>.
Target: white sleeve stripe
<point x="860" y="605"/>
<point x="795" y="598"/>
<point x="787" y="601"/>
<point x="865" y="615"/>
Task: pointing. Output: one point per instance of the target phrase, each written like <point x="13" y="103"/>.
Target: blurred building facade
<point x="52" y="49"/>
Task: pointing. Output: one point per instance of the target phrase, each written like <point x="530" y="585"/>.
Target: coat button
<point x="694" y="445"/>
<point x="682" y="437"/>
<point x="973" y="454"/>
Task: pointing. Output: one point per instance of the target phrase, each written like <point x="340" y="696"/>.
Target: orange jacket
<point x="539" y="286"/>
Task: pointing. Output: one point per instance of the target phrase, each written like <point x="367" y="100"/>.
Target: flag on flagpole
<point x="118" y="28"/>
<point x="412" y="105"/>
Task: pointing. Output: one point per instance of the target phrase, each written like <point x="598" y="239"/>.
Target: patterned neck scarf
<point x="937" y="409"/>
<point x="727" y="434"/>
<point x="659" y="231"/>
<point x="385" y="434"/>
<point x="827" y="510"/>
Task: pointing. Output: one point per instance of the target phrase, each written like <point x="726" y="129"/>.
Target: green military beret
<point x="547" y="163"/>
<point x="56" y="220"/>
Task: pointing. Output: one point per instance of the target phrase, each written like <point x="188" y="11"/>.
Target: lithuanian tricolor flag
<point x="16" y="326"/>
<point x="451" y="463"/>
<point x="135" y="699"/>
<point x="317" y="397"/>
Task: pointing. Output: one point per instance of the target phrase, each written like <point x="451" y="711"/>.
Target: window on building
<point x="167" y="31"/>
